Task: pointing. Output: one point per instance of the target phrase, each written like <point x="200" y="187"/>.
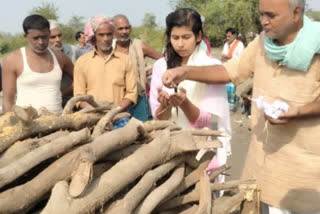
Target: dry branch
<point x="68" y="109"/>
<point x="124" y="172"/>
<point x="140" y="190"/>
<point x="46" y="124"/>
<point x="105" y="120"/>
<point x="205" y="195"/>
<point x="63" y="168"/>
<point x="20" y="148"/>
<point x="33" y="158"/>
<point x="160" y="193"/>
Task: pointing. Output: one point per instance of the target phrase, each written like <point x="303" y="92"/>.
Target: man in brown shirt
<point x="104" y="73"/>
<point x="284" y="154"/>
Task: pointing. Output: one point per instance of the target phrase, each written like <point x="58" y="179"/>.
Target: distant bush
<point x="152" y="36"/>
<point x="10" y="43"/>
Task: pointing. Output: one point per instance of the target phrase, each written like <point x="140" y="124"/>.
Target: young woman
<point x="193" y="104"/>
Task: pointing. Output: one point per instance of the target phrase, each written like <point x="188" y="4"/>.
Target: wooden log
<point x="63" y="168"/>
<point x="105" y="120"/>
<point x="123" y="173"/>
<point x="141" y="189"/>
<point x="161" y="192"/>
<point x="46" y="124"/>
<point x="59" y="146"/>
<point x="20" y="148"/>
<point x="68" y="109"/>
<point x="205" y="195"/>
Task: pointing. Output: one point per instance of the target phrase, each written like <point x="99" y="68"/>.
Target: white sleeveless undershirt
<point x="40" y="89"/>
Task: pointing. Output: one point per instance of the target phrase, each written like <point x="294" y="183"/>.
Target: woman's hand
<point x="178" y="99"/>
<point x="163" y="98"/>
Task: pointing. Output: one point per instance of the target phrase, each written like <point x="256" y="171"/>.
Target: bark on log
<point x="205" y="195"/>
<point x="194" y="195"/>
<point x="229" y="205"/>
<point x="191" y="210"/>
<point x="20" y="148"/>
<point x="105" y="120"/>
<point x="140" y="190"/>
<point x="46" y="124"/>
<point x="161" y="192"/>
<point x="124" y="172"/>
<point x="68" y="109"/>
<point x="59" y="146"/>
<point x="63" y="167"/>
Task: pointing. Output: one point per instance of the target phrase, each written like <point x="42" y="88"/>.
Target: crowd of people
<point x="188" y="86"/>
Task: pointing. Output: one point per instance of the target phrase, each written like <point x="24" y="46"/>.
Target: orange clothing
<point x="111" y="79"/>
<point x="285" y="158"/>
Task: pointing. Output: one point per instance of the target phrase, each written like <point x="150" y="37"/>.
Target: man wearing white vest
<point x="32" y="75"/>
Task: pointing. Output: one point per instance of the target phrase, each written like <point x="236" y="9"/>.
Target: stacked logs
<point x="77" y="163"/>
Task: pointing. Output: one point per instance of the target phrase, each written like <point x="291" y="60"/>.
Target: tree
<point x="47" y="10"/>
<point x="244" y="16"/>
<point x="77" y="23"/>
<point x="149" y="20"/>
<point x="315" y="15"/>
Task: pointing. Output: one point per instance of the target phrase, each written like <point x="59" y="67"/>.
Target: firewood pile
<point x="77" y="163"/>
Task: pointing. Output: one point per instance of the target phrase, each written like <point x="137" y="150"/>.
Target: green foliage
<point x="222" y="14"/>
<point x="152" y="36"/>
<point x="10" y="43"/>
<point x="47" y="10"/>
<point x="149" y="20"/>
<point x="315" y="15"/>
<point x="77" y="23"/>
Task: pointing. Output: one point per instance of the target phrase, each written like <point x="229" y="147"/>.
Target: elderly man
<point x="32" y="75"/>
<point x="55" y="43"/>
<point x="104" y="73"/>
<point x="284" y="154"/>
<point x="136" y="50"/>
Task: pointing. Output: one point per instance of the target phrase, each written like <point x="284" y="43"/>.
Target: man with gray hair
<point x="104" y="73"/>
<point x="55" y="42"/>
<point x="284" y="61"/>
<point x="137" y="50"/>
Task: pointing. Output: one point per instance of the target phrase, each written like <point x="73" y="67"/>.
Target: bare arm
<point x="310" y="110"/>
<point x="66" y="66"/>
<point x="131" y="87"/>
<point x="150" y="52"/>
<point x="9" y="78"/>
<point x="205" y="74"/>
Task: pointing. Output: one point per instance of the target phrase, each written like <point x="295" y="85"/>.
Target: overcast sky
<point x="14" y="11"/>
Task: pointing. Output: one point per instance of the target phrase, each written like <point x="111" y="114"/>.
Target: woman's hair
<point x="179" y="18"/>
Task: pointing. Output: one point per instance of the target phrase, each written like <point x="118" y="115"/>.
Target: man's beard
<point x="123" y="40"/>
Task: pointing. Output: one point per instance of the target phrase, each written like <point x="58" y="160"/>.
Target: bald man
<point x="137" y="50"/>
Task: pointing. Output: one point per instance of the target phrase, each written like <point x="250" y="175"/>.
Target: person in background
<point x="82" y="47"/>
<point x="56" y="43"/>
<point x="32" y="75"/>
<point x="233" y="46"/>
<point x="137" y="50"/>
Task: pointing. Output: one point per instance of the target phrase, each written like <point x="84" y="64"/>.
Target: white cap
<point x="53" y="24"/>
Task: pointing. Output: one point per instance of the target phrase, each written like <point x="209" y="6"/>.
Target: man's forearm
<point x="68" y="91"/>
<point x="208" y="74"/>
<point x="125" y="103"/>
<point x="309" y="110"/>
<point x="7" y="105"/>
